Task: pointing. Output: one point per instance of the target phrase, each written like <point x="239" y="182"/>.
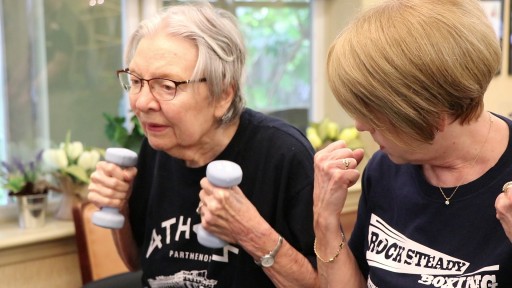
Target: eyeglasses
<point x="161" y="88"/>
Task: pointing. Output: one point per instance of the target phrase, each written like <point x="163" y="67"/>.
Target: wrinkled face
<point x="185" y="122"/>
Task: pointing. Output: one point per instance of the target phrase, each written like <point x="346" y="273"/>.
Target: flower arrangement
<point x="24" y="178"/>
<point x="71" y="164"/>
<point x="323" y="133"/>
<point x="72" y="160"/>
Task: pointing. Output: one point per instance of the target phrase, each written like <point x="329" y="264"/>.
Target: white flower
<point x="72" y="160"/>
<point x="74" y="149"/>
<point x="89" y="159"/>
<point x="55" y="158"/>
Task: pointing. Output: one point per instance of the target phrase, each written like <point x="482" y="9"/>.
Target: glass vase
<point x="32" y="210"/>
<point x="72" y="194"/>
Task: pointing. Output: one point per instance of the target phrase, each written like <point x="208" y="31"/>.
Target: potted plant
<point x="71" y="164"/>
<point x="119" y="133"/>
<point x="26" y="181"/>
<point x="323" y="133"/>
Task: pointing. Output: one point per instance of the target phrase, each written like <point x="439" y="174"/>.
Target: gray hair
<point x="221" y="48"/>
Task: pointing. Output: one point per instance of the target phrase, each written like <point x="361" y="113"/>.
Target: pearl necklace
<point x="447" y="199"/>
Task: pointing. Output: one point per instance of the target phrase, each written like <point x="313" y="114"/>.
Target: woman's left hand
<point x="504" y="210"/>
<point x="227" y="213"/>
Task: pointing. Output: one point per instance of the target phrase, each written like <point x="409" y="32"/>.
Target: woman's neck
<point x="464" y="158"/>
<point x="210" y="147"/>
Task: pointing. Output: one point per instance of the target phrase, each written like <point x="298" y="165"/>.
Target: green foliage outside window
<point x="120" y="135"/>
<point x="279" y="57"/>
<point x="278" y="37"/>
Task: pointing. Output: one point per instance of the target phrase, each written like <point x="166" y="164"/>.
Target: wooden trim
<point x="352" y="201"/>
<point x="348" y="221"/>
<point x="36" y="251"/>
<point x="97" y="254"/>
<point x="81" y="243"/>
<point x="12" y="236"/>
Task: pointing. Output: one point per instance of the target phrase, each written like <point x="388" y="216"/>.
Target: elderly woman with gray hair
<point x="184" y="81"/>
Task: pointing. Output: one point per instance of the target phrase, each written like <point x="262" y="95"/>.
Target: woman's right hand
<point x="111" y="185"/>
<point x="335" y="171"/>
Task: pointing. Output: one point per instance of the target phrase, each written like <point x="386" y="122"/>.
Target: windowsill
<point x="12" y="236"/>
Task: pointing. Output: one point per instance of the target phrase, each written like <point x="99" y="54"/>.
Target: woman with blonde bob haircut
<point x="413" y="73"/>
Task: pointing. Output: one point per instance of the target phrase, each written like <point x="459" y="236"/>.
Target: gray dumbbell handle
<point x="109" y="217"/>
<point x="221" y="173"/>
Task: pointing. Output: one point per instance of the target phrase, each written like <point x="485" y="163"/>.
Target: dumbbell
<point x="224" y="174"/>
<point x="109" y="217"/>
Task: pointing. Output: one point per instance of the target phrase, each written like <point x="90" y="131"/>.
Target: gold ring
<point x="505" y="187"/>
<point x="346" y="162"/>
<point x="198" y="209"/>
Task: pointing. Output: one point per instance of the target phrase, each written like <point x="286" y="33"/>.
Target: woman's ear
<point x="222" y="103"/>
<point x="443" y="122"/>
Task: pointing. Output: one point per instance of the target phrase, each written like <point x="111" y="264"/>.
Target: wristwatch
<point x="268" y="260"/>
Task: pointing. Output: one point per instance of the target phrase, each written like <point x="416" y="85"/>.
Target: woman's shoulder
<point x="269" y="130"/>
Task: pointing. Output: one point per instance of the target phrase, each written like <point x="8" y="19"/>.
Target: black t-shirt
<point x="277" y="164"/>
<point x="406" y="236"/>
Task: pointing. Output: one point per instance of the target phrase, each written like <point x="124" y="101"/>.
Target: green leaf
<point x="114" y="125"/>
<point x="118" y="134"/>
<point x="15" y="185"/>
<point x="137" y="128"/>
<point x="77" y="172"/>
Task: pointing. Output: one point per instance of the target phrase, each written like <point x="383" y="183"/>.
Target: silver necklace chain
<point x="447" y="199"/>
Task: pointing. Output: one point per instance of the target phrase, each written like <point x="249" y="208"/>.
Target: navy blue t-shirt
<point x="406" y="236"/>
<point x="277" y="164"/>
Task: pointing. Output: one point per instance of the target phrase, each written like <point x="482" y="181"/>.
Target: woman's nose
<point x="144" y="100"/>
<point x="361" y="126"/>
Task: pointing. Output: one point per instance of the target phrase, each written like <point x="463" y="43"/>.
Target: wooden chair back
<point x="97" y="252"/>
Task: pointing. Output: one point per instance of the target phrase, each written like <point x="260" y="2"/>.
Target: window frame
<point x="134" y="11"/>
<point x="130" y="18"/>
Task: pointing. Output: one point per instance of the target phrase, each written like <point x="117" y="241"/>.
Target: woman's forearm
<point x="290" y="269"/>
<point x="337" y="266"/>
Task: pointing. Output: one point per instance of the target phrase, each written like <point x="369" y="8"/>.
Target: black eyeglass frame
<point x="176" y="83"/>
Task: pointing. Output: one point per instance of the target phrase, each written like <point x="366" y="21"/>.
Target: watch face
<point x="267" y="261"/>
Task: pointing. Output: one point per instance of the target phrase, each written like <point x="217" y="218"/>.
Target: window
<point x="278" y="39"/>
<point x="59" y="59"/>
<point x="58" y="63"/>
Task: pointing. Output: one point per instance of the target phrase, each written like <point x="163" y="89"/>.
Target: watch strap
<point x="272" y="253"/>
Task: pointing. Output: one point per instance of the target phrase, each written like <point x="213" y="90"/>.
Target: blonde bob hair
<point x="405" y="64"/>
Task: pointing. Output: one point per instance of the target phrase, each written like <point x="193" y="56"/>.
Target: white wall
<point x="498" y="98"/>
<point x="336" y="15"/>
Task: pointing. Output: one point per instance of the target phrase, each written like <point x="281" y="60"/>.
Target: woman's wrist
<point x="258" y="238"/>
<point x="326" y="221"/>
<point x="337" y="253"/>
